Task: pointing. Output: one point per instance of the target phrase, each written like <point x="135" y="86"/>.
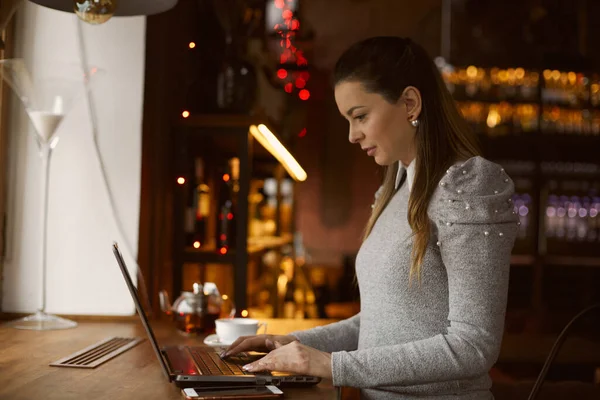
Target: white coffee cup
<point x="229" y="329"/>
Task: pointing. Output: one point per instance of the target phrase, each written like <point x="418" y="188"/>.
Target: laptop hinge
<point x="168" y="364"/>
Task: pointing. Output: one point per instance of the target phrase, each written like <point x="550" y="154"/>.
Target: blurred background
<point x="522" y="73"/>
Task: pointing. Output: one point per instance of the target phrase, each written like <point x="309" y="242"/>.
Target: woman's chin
<point x="383" y="161"/>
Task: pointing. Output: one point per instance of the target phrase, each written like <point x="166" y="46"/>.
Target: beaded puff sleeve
<point x="473" y="232"/>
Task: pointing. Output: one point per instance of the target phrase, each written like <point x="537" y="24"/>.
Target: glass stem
<point x="46" y="153"/>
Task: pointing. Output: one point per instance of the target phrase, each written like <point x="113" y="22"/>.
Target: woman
<point x="433" y="267"/>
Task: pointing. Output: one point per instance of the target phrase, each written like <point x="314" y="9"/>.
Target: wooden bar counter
<point x="134" y="374"/>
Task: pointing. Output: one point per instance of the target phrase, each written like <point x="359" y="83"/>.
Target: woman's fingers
<point x="246" y="343"/>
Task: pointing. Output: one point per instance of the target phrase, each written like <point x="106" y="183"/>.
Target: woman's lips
<point x="370" y="151"/>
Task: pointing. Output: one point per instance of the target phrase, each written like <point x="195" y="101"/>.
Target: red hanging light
<point x="290" y="54"/>
<point x="304" y="94"/>
<point x="282" y="73"/>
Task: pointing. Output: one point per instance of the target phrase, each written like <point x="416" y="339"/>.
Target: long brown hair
<point x="387" y="65"/>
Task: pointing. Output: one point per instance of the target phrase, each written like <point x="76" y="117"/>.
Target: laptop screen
<point x="139" y="308"/>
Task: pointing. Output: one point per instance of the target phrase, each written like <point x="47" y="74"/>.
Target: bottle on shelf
<point x="287" y="199"/>
<point x="269" y="209"/>
<point x="189" y="218"/>
<point x="572" y="212"/>
<point x="227" y="206"/>
<point x="595" y="91"/>
<point x="202" y="205"/>
<point x="565" y="88"/>
<point x="522" y="206"/>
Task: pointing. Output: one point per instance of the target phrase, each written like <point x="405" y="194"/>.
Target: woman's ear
<point x="412" y="98"/>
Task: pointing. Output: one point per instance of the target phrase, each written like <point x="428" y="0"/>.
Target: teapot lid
<point x="210" y="288"/>
<point x="197" y="288"/>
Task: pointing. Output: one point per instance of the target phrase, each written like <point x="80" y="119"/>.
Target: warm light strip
<point x="266" y="138"/>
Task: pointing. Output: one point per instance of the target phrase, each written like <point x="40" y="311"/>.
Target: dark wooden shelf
<point x="570" y="261"/>
<point x="516" y="102"/>
<point x="221" y="120"/>
<point x="522" y="260"/>
<point x="526" y="260"/>
<point x="464" y="99"/>
<point x="581" y="107"/>
<point x="541" y="136"/>
<point x="210" y="254"/>
<point x="540" y="147"/>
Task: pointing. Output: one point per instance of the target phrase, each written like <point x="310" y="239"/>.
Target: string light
<point x="181" y="180"/>
<point x="185" y="114"/>
<point x="304" y="94"/>
<point x="282" y="73"/>
<point x="192" y="45"/>
<point x="288" y="29"/>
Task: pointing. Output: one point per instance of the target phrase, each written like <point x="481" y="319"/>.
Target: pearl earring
<point x="415" y="122"/>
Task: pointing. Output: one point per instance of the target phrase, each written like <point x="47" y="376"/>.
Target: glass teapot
<point x="194" y="312"/>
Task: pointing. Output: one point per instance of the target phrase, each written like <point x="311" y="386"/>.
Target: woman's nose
<point x="354" y="135"/>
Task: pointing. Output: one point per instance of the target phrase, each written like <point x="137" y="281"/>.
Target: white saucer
<point x="213" y="340"/>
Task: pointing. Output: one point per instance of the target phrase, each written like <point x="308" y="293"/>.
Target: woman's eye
<point x="360" y="117"/>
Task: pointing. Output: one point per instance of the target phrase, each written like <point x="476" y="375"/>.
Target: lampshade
<point x="125" y="8"/>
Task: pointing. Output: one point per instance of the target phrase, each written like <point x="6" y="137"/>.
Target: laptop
<point x="201" y="366"/>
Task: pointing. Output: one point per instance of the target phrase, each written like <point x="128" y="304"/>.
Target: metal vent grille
<point x="98" y="353"/>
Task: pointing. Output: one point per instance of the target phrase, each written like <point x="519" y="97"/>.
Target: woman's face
<point x="381" y="128"/>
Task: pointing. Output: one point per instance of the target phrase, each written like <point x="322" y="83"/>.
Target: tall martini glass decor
<point x="48" y="97"/>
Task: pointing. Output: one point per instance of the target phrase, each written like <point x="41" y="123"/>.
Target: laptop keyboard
<point x="210" y="363"/>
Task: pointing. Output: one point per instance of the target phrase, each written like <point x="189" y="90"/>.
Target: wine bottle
<point x="190" y="212"/>
<point x="227" y="206"/>
<point x="202" y="203"/>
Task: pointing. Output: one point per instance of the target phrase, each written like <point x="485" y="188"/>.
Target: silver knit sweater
<point x="440" y="339"/>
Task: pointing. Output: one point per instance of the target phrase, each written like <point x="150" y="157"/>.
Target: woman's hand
<point x="294" y="357"/>
<point x="261" y="343"/>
